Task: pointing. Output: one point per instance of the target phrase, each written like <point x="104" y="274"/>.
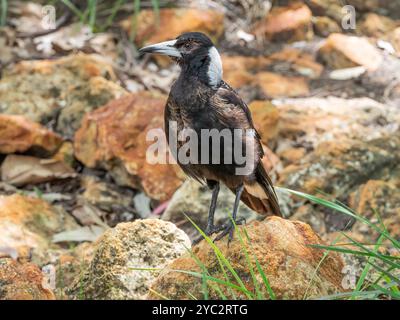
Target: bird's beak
<point x="165" y="48"/>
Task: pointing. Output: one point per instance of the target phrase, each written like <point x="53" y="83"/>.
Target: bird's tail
<point x="260" y="195"/>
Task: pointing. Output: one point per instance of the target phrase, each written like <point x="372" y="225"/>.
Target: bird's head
<point x="195" y="53"/>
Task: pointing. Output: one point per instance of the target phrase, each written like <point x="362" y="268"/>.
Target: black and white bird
<point x="200" y="99"/>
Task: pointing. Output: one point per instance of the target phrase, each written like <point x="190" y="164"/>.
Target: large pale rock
<point x="114" y="138"/>
<point x="283" y="250"/>
<point x="28" y="224"/>
<point x="292" y="23"/>
<point x="307" y="122"/>
<point x="193" y="199"/>
<point x="18" y="134"/>
<point x="22" y="281"/>
<point x="71" y="85"/>
<point x="150" y="244"/>
<point x="341" y="51"/>
<point x="332" y="168"/>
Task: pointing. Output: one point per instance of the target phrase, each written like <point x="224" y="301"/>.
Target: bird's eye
<point x="187" y="45"/>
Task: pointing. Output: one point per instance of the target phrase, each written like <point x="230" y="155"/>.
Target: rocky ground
<point x="81" y="210"/>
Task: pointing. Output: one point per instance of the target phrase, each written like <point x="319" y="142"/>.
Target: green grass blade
<point x="3" y="14"/>
<point x="75" y="10"/>
<point x="261" y="272"/>
<point x="114" y="12"/>
<point x="248" y="261"/>
<point x="367" y="267"/>
<point x="340" y="208"/>
<point x="222" y="258"/>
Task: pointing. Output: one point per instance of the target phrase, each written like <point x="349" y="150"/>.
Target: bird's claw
<point x="229" y="228"/>
<point x="225" y="228"/>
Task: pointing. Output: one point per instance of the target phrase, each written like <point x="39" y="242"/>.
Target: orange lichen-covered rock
<point x="22" y="281"/>
<point x="292" y="23"/>
<point x="281" y="247"/>
<point x="174" y="21"/>
<point x="114" y="137"/>
<point x="18" y="134"/>
<point x="266" y="119"/>
<point x="27" y="225"/>
<point x="275" y="85"/>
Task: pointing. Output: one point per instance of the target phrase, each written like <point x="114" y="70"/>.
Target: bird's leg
<point x="210" y="221"/>
<point x="230" y="225"/>
<point x="211" y="229"/>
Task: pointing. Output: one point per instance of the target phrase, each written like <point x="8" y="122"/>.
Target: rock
<point x="193" y="199"/>
<point x="22" y="281"/>
<point x="114" y="138"/>
<point x="70" y="266"/>
<point x="238" y="69"/>
<point x="394" y="38"/>
<point x="281" y="248"/>
<point x="276" y="86"/>
<point x="150" y="243"/>
<point x="18" y="134"/>
<point x="324" y="26"/>
<point x="27" y="225"/>
<point x="106" y="196"/>
<point x="65" y="154"/>
<point x="386" y="7"/>
<point x="73" y="85"/>
<point x="331" y="8"/>
<point x="297" y="61"/>
<point x="306" y="122"/>
<point x="374" y="25"/>
<point x="292" y="23"/>
<point x="332" y="169"/>
<point x="20" y="170"/>
<point x="341" y="51"/>
<point x="266" y="119"/>
<point x="84" y="98"/>
<point x="173" y="22"/>
<point x="377" y="197"/>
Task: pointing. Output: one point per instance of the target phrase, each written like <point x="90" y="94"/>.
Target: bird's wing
<point x="232" y="112"/>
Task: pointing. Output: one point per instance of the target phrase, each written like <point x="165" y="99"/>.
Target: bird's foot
<point x="229" y="228"/>
<point x="210" y="230"/>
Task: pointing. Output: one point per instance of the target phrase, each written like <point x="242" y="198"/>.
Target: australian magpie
<point x="200" y="100"/>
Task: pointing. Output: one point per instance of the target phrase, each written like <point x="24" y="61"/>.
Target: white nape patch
<point x="215" y="68"/>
